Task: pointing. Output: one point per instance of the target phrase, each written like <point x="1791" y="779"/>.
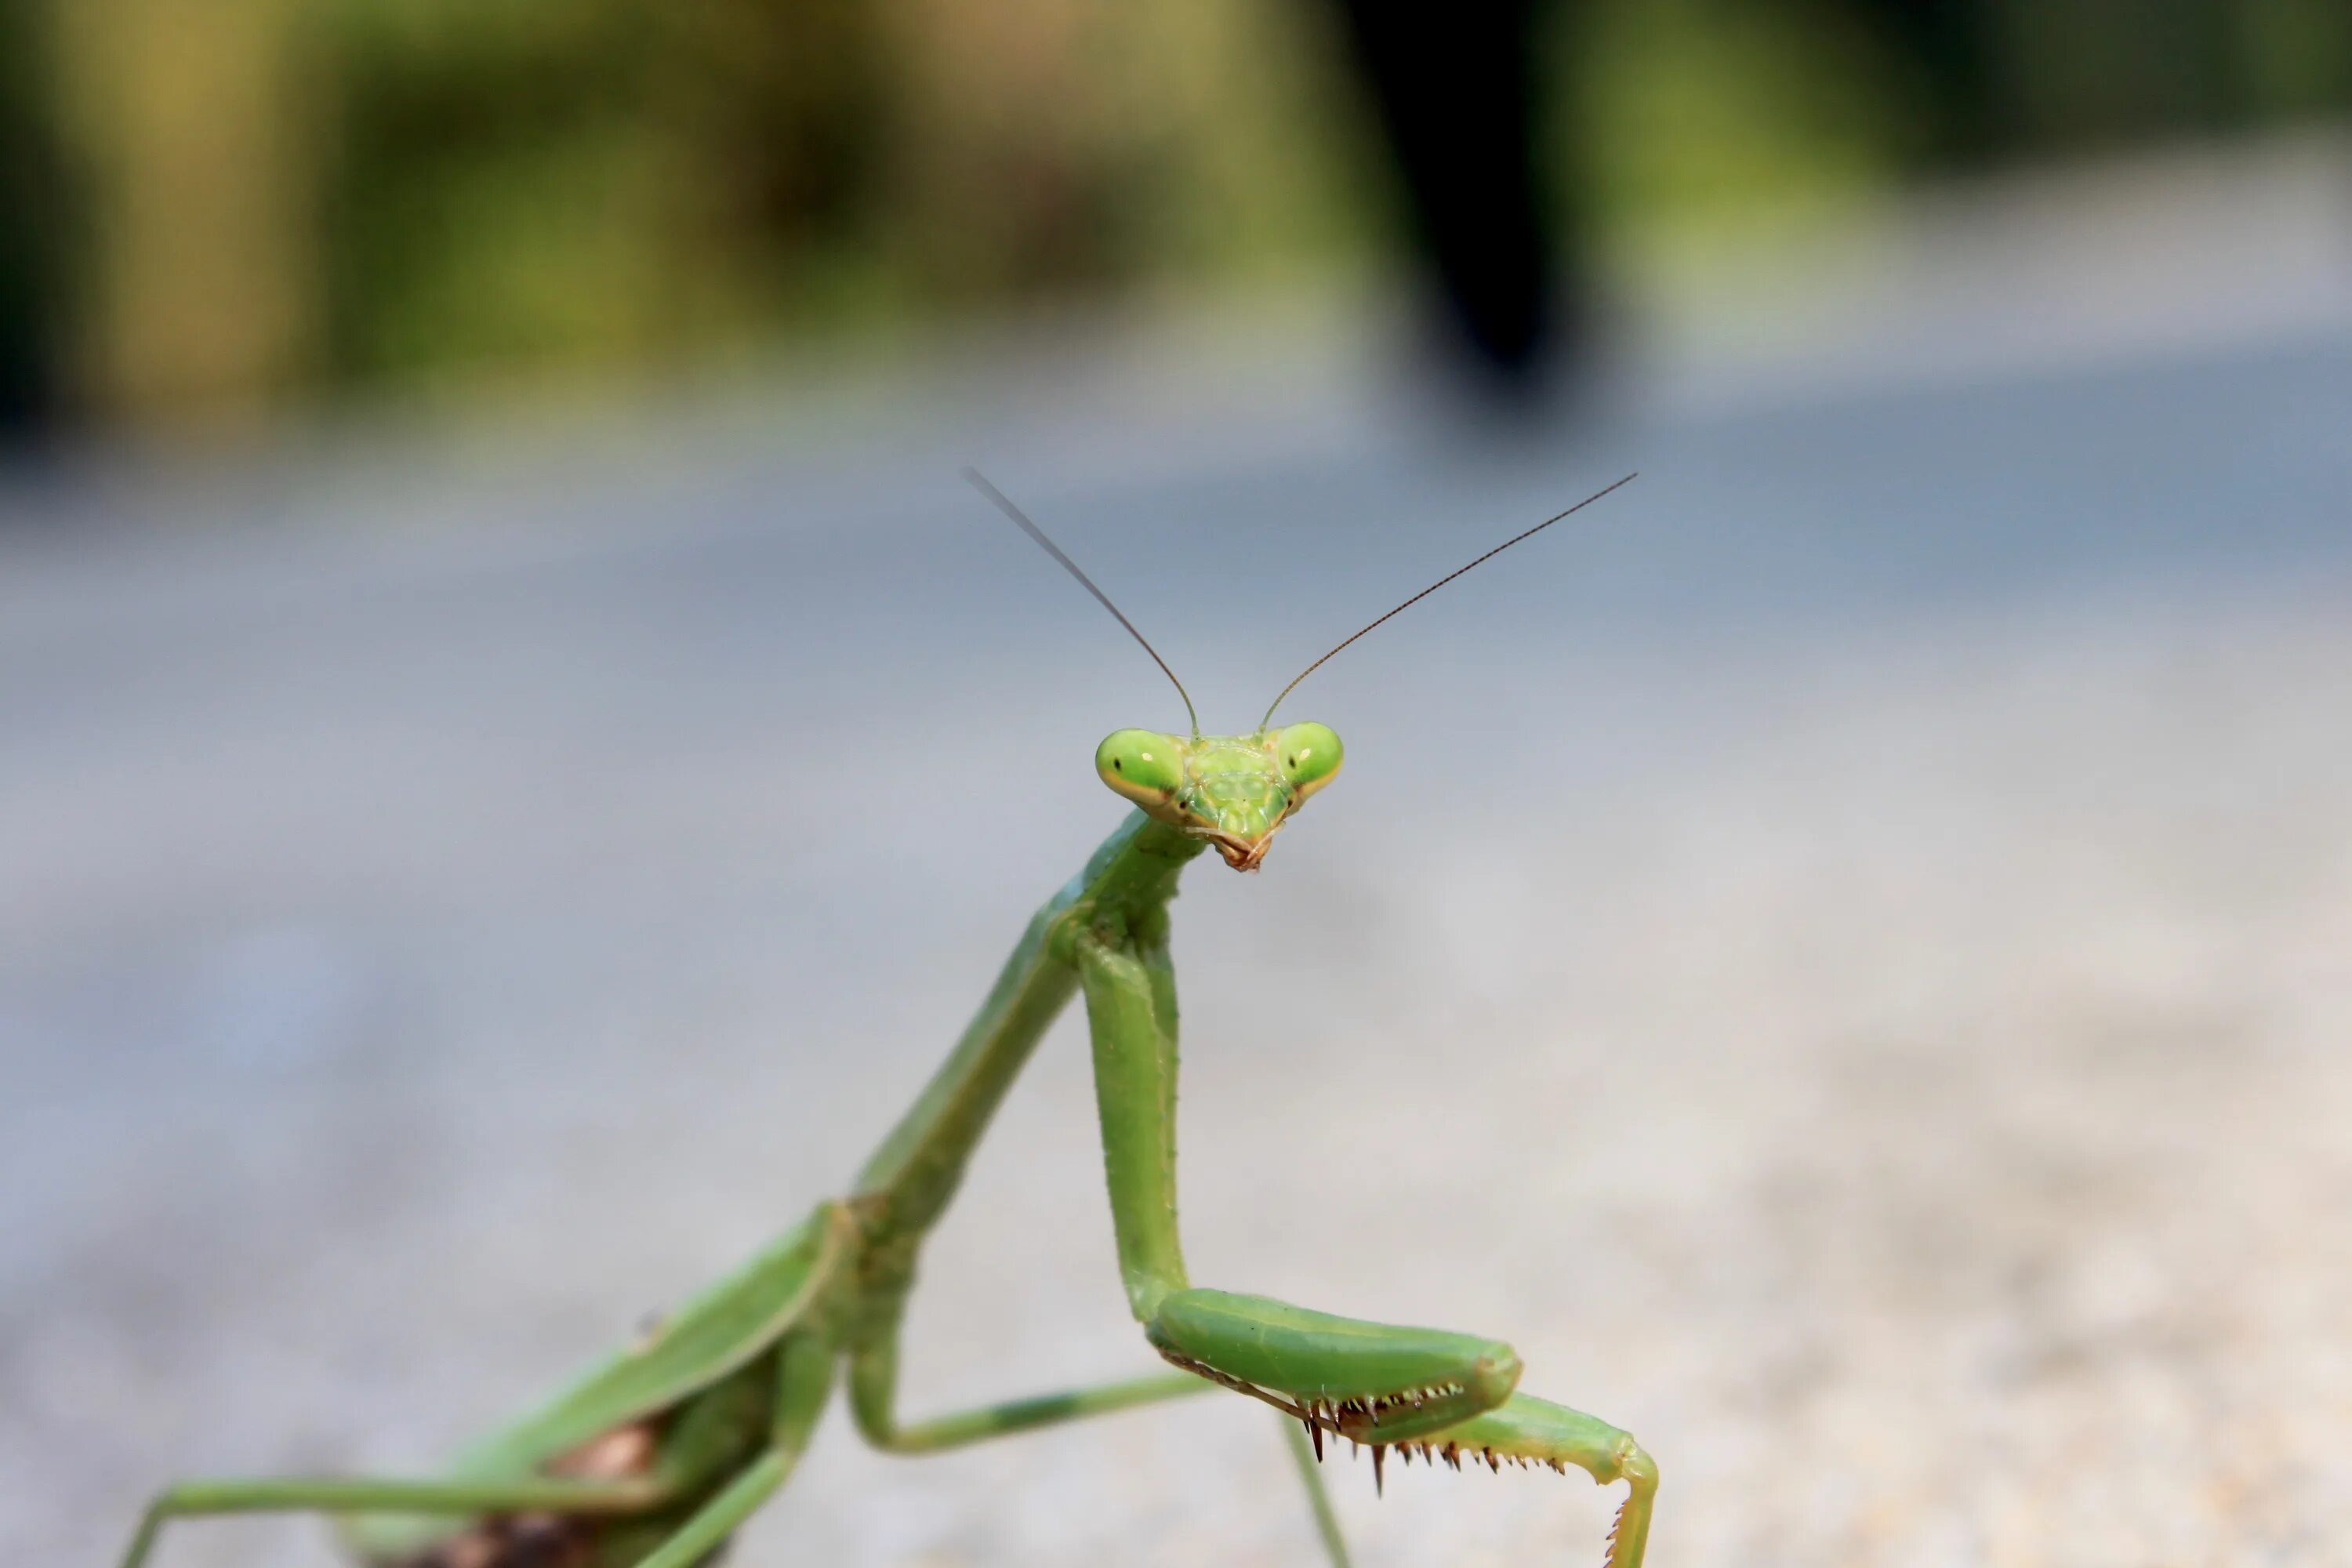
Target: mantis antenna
<point x="1004" y="504"/>
<point x="1417" y="598"/>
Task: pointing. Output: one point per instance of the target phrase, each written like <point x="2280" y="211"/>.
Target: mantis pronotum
<point x="655" y="1457"/>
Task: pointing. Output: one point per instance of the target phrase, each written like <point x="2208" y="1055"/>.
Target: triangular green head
<point x="1236" y="791"/>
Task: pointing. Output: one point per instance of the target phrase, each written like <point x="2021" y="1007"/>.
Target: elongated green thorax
<point x="1232" y="793"/>
<point x="1128" y="878"/>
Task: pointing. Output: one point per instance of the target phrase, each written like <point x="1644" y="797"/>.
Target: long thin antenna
<point x="1004" y="504"/>
<point x="1434" y="587"/>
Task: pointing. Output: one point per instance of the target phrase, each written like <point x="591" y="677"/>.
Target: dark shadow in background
<point x="33" y="232"/>
<point x="1454" y="90"/>
<point x="1458" y="93"/>
<point x="1459" y="96"/>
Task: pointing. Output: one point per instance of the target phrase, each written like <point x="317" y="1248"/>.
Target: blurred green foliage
<point x="513" y="182"/>
<point x="626" y="182"/>
<point x="1690" y="117"/>
<point x="463" y="189"/>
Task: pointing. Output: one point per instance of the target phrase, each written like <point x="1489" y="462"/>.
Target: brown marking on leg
<point x="543" y="1539"/>
<point x="613" y="1456"/>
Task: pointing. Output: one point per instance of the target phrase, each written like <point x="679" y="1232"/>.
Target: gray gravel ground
<point x="1846" y="959"/>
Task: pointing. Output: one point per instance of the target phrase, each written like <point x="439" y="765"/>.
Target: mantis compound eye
<point x="1141" y="764"/>
<point x="1309" y="754"/>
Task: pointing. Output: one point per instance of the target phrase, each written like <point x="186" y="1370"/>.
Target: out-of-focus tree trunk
<point x="204" y="301"/>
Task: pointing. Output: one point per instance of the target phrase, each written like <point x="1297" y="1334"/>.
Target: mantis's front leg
<point x="1430" y="1392"/>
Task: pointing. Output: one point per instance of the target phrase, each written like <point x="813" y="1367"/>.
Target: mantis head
<point x="1236" y="791"/>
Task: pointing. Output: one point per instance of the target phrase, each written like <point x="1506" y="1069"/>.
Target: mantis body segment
<point x="653" y="1459"/>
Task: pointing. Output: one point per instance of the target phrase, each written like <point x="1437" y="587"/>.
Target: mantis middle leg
<point x="1434" y="1393"/>
<point x="873" y="1395"/>
<point x="873" y="1398"/>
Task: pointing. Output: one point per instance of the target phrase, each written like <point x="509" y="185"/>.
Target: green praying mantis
<point x="655" y="1457"/>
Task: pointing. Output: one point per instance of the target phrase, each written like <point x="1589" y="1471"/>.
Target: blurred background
<point x="518" y="752"/>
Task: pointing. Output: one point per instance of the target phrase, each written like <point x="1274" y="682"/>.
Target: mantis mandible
<point x="656" y="1456"/>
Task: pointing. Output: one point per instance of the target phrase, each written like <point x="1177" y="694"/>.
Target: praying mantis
<point x="655" y="1457"/>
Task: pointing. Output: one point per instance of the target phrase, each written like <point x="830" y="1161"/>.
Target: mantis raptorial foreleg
<point x="1427" y="1392"/>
